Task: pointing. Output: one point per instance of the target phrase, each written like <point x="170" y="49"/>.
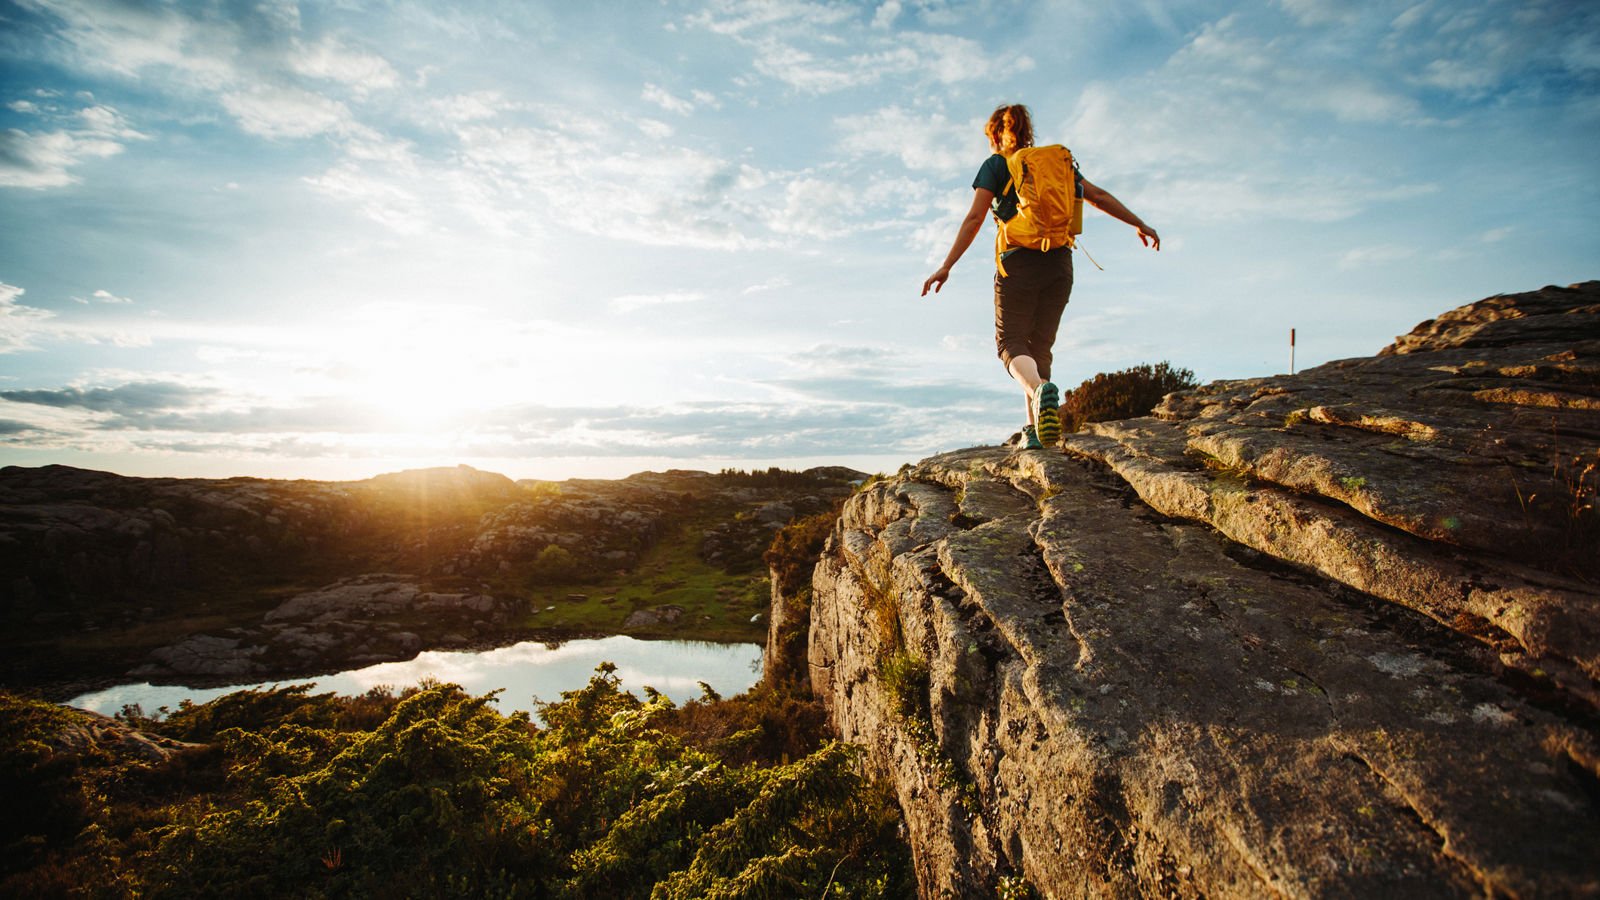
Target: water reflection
<point x="526" y="671"/>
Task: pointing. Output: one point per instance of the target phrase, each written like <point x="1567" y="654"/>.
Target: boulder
<point x="205" y="654"/>
<point x="88" y="732"/>
<point x="653" y="616"/>
<point x="362" y="597"/>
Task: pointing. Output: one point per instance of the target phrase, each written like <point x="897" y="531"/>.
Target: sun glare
<point x="422" y="368"/>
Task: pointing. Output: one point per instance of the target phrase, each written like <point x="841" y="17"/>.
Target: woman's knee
<point x="1010" y="348"/>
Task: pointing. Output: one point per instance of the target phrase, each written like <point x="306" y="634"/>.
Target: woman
<point x="1032" y="294"/>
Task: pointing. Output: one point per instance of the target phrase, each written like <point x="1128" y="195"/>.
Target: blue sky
<point x="335" y="239"/>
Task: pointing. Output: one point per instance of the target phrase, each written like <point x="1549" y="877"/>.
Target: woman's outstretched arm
<point x="1111" y="206"/>
<point x="981" y="200"/>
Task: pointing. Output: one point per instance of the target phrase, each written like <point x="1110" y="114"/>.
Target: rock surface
<point x="1332" y="634"/>
<point x="358" y="620"/>
<point x="87" y="733"/>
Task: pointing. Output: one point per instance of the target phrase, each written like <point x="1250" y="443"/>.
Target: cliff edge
<point x="1335" y="633"/>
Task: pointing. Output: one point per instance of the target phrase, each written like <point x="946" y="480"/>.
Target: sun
<point x="424" y="368"/>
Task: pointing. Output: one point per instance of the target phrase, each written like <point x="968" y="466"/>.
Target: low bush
<point x="303" y="796"/>
<point x="1126" y="394"/>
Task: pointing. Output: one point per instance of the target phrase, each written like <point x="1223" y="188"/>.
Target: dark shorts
<point x="1028" y="303"/>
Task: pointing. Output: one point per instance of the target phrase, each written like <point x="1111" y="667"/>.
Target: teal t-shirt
<point x="993" y="176"/>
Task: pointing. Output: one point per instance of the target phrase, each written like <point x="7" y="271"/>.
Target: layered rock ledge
<point x="1334" y="634"/>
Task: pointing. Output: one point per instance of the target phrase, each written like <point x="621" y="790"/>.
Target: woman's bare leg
<point x="1026" y="373"/>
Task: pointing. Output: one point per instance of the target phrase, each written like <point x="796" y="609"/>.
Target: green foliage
<point x="795" y="548"/>
<point x="44" y="801"/>
<point x="907" y="680"/>
<point x="262" y="709"/>
<point x="1015" y="887"/>
<point x="790" y="558"/>
<point x="1126" y="394"/>
<point x="442" y="796"/>
<point x="554" y="565"/>
<point x="767" y="726"/>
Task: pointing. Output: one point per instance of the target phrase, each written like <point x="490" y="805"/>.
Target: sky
<point x="329" y="240"/>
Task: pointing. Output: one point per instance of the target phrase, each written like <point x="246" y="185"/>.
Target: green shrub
<point x="444" y="797"/>
<point x="1127" y="394"/>
<point x="795" y="548"/>
<point x="554" y="565"/>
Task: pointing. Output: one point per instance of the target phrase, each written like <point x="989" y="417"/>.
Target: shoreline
<point x="59" y="691"/>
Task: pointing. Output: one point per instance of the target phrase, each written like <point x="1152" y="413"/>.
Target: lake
<point x="525" y="671"/>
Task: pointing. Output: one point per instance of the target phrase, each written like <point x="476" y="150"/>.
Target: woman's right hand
<point x="936" y="280"/>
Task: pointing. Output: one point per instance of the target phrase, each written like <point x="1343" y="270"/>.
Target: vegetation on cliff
<point x="434" y="793"/>
<point x="790" y="558"/>
<point x="1125" y="394"/>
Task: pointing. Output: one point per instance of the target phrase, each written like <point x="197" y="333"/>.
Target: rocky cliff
<point x="1331" y="634"/>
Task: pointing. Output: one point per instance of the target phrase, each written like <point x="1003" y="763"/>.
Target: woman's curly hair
<point x="1010" y="128"/>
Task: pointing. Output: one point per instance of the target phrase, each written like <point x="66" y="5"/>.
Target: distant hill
<point x="242" y="577"/>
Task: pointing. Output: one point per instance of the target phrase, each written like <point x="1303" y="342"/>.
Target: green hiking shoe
<point x="1030" y="439"/>
<point x="1046" y="414"/>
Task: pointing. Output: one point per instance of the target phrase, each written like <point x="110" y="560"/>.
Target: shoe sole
<point x="1047" y="420"/>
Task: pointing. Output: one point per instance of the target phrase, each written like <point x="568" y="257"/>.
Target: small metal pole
<point x="1291" y="351"/>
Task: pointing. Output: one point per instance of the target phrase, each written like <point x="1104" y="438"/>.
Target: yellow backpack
<point x="1049" y="202"/>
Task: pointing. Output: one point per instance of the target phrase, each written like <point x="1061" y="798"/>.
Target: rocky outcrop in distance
<point x="1329" y="634"/>
<point x="355" y="622"/>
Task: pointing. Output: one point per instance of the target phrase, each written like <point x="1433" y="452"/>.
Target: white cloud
<point x="105" y="121"/>
<point x="655" y="128"/>
<point x="668" y="196"/>
<point x="809" y="47"/>
<point x="207" y="50"/>
<point x="1475" y="49"/>
<point x="660" y="97"/>
<point x="1378" y="255"/>
<point x="44" y="159"/>
<point x="1322" y="12"/>
<point x="460" y="109"/>
<point x="331" y="60"/>
<point x="103" y="296"/>
<point x="800" y="69"/>
<point x="379" y="199"/>
<point x="919" y="57"/>
<point x="632" y="302"/>
<point x="286" y="112"/>
<point x="814" y="208"/>
<point x="926" y="142"/>
<point x="1241" y="124"/>
<point x="736" y="17"/>
<point x="256" y="60"/>
<point x="19" y="324"/>
<point x="772" y="284"/>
